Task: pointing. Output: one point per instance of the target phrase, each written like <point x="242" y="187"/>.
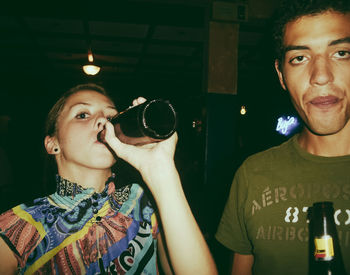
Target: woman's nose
<point x="100" y="122"/>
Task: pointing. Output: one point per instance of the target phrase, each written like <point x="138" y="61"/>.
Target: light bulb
<point x="243" y="110"/>
<point x="91" y="69"/>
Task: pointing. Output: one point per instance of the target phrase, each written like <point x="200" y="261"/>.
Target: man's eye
<point x="82" y="115"/>
<point x="297" y="59"/>
<point x="342" y="54"/>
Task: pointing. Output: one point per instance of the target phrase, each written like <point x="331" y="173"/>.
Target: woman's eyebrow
<point x="88" y="104"/>
<point x="79" y="103"/>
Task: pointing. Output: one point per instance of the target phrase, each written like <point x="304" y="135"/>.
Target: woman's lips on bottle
<point x="101" y="136"/>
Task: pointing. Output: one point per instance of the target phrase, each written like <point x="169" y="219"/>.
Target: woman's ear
<point x="280" y="74"/>
<point x="51" y="145"/>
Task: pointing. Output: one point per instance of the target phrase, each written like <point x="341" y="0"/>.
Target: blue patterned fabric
<point x="79" y="231"/>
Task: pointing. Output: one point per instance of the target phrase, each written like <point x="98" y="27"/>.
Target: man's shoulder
<point x="278" y="153"/>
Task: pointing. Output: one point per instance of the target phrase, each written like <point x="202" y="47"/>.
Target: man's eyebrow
<point x="302" y="47"/>
<point x="340" y="41"/>
<point x="294" y="48"/>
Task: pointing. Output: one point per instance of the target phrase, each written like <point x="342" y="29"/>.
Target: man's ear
<point x="280" y="74"/>
<point x="51" y="145"/>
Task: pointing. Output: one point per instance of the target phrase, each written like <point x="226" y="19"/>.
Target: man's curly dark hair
<point x="291" y="10"/>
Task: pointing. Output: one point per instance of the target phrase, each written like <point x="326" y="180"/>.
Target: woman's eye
<point x="110" y="117"/>
<point x="82" y="115"/>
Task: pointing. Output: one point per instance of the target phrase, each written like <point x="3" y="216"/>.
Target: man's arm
<point x="242" y="264"/>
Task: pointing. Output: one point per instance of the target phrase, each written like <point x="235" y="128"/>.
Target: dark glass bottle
<point x="325" y="253"/>
<point x="151" y="121"/>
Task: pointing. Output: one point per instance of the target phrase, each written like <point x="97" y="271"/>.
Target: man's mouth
<point x="325" y="101"/>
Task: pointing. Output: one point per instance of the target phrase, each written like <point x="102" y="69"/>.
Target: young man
<point x="265" y="219"/>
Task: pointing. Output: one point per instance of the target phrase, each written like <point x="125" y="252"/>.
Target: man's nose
<point x="321" y="71"/>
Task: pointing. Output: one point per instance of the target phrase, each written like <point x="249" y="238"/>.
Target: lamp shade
<point x="91" y="69"/>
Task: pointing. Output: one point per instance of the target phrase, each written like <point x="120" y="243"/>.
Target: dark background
<point x="145" y="48"/>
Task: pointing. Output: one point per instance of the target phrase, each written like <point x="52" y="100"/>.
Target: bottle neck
<point x="325" y="254"/>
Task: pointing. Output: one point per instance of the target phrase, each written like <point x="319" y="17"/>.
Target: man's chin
<point x="325" y="130"/>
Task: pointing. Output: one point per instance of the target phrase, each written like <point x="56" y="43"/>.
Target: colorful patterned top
<point x="79" y="231"/>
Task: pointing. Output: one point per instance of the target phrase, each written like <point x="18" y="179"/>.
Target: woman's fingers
<point x="138" y="101"/>
<point x="127" y="152"/>
<point x="110" y="137"/>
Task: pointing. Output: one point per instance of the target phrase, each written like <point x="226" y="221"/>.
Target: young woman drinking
<point x="90" y="225"/>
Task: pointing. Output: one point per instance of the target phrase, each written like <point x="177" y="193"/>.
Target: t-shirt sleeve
<point x="20" y="235"/>
<point x="232" y="231"/>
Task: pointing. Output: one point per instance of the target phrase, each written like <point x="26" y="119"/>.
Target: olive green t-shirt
<point x="266" y="212"/>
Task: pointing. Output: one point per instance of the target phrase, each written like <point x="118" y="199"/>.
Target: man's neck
<point x="327" y="146"/>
